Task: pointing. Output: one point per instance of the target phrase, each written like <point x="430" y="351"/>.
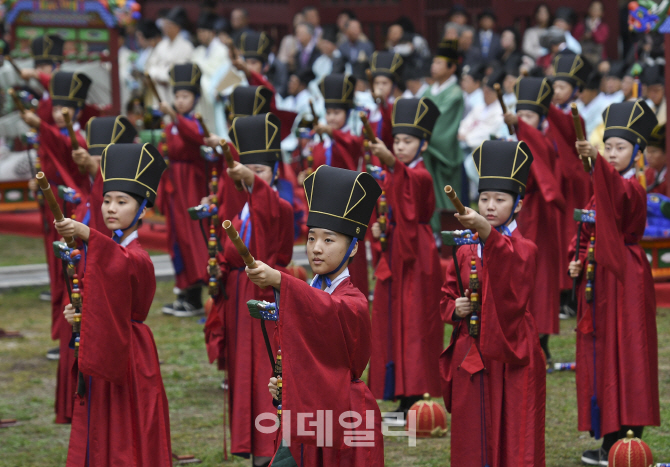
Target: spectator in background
<point x="470" y="52"/>
<point x="356" y="48"/>
<point x="210" y="55"/>
<point x="239" y="23"/>
<point x="173" y="49"/>
<point x="415" y="82"/>
<point x="223" y="30"/>
<point x="312" y="17"/>
<point x="402" y="39"/>
<point x="653" y="83"/>
<point x="592" y="33"/>
<point x="471" y="84"/>
<point x="307" y="52"/>
<point x="288" y="48"/>
<point x="554" y="41"/>
<point x="565" y="19"/>
<point x="452" y="31"/>
<point x="532" y="35"/>
<point x="298" y="92"/>
<point x="613" y="82"/>
<point x="459" y="15"/>
<point x="343" y="19"/>
<point x="592" y="103"/>
<point x="509" y="55"/>
<point x="148" y="36"/>
<point x="486" y="39"/>
<point x="330" y="60"/>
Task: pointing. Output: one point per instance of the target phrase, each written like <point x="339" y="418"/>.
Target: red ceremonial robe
<point x="656" y="182"/>
<point x="382" y="122"/>
<point x="576" y="184"/>
<point x="621" y="321"/>
<point x="55" y="154"/>
<point x="184" y="185"/>
<point x="123" y="419"/>
<point x="233" y="337"/>
<point x="503" y="367"/>
<point x="540" y="222"/>
<point x="406" y="325"/>
<point x="346" y="152"/>
<point x="325" y="344"/>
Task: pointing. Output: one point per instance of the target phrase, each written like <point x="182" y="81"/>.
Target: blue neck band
<point x="118" y="233"/>
<point x="636" y="148"/>
<point x="503" y="228"/>
<point x="318" y="282"/>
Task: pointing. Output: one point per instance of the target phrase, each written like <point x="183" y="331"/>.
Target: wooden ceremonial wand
<point x="367" y="129"/>
<point x="586" y="162"/>
<point x="13" y="64"/>
<point x="461" y="211"/>
<point x="73" y="136"/>
<point x="53" y="204"/>
<point x="498" y="90"/>
<point x="249" y="260"/>
<point x="230" y="162"/>
<point x="152" y="86"/>
<point x="315" y="121"/>
<point x="17" y="102"/>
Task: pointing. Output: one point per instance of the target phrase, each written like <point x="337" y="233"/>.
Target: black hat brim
<point x="400" y="129"/>
<point x="130" y="187"/>
<point x="630" y="136"/>
<point x="336" y="224"/>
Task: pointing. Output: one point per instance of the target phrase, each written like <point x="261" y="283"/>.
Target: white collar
<point x="129" y="239"/>
<point x="415" y="162"/>
<point x="630" y="173"/>
<point x="436" y="89"/>
<point x="336" y="282"/>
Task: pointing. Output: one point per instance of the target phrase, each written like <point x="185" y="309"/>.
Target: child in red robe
<point x="571" y="73"/>
<point x="121" y="415"/>
<point x="493" y="370"/>
<point x="341" y="148"/>
<point x="386" y="71"/>
<point x="265" y="224"/>
<point x="655" y="175"/>
<point x="617" y="345"/>
<point x="324" y="333"/>
<point x="68" y="91"/>
<point x="185" y="185"/>
<point x="406" y="325"/>
<point x="544" y="204"/>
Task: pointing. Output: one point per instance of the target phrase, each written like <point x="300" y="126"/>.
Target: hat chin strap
<point x="636" y="149"/>
<point x="503" y="227"/>
<point x="118" y="233"/>
<point x="318" y="282"/>
<point x="418" y="151"/>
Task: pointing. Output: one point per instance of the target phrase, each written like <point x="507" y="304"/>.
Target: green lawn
<point x="27" y="385"/>
<point x="17" y="250"/>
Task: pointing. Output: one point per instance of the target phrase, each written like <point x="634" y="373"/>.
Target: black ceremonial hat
<point x="503" y="166"/>
<point x="338" y="91"/>
<point x="415" y="117"/>
<point x="388" y="64"/>
<point x="497" y="76"/>
<point x="657" y="137"/>
<point x="653" y="74"/>
<point x="250" y="100"/>
<point x="206" y="20"/>
<point x="533" y="94"/>
<point x="185" y="77"/>
<point x="178" y="16"/>
<point x="341" y="200"/>
<point x="448" y="49"/>
<point x="103" y="131"/>
<point x="617" y="69"/>
<point x="135" y="169"/>
<point x="574" y="69"/>
<point x="476" y="71"/>
<point x="631" y="120"/>
<point x="257" y="139"/>
<point x="47" y="49"/>
<point x="69" y="89"/>
<point x="254" y="44"/>
<point x="148" y="28"/>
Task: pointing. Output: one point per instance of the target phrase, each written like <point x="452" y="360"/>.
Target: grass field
<point x="27" y="386"/>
